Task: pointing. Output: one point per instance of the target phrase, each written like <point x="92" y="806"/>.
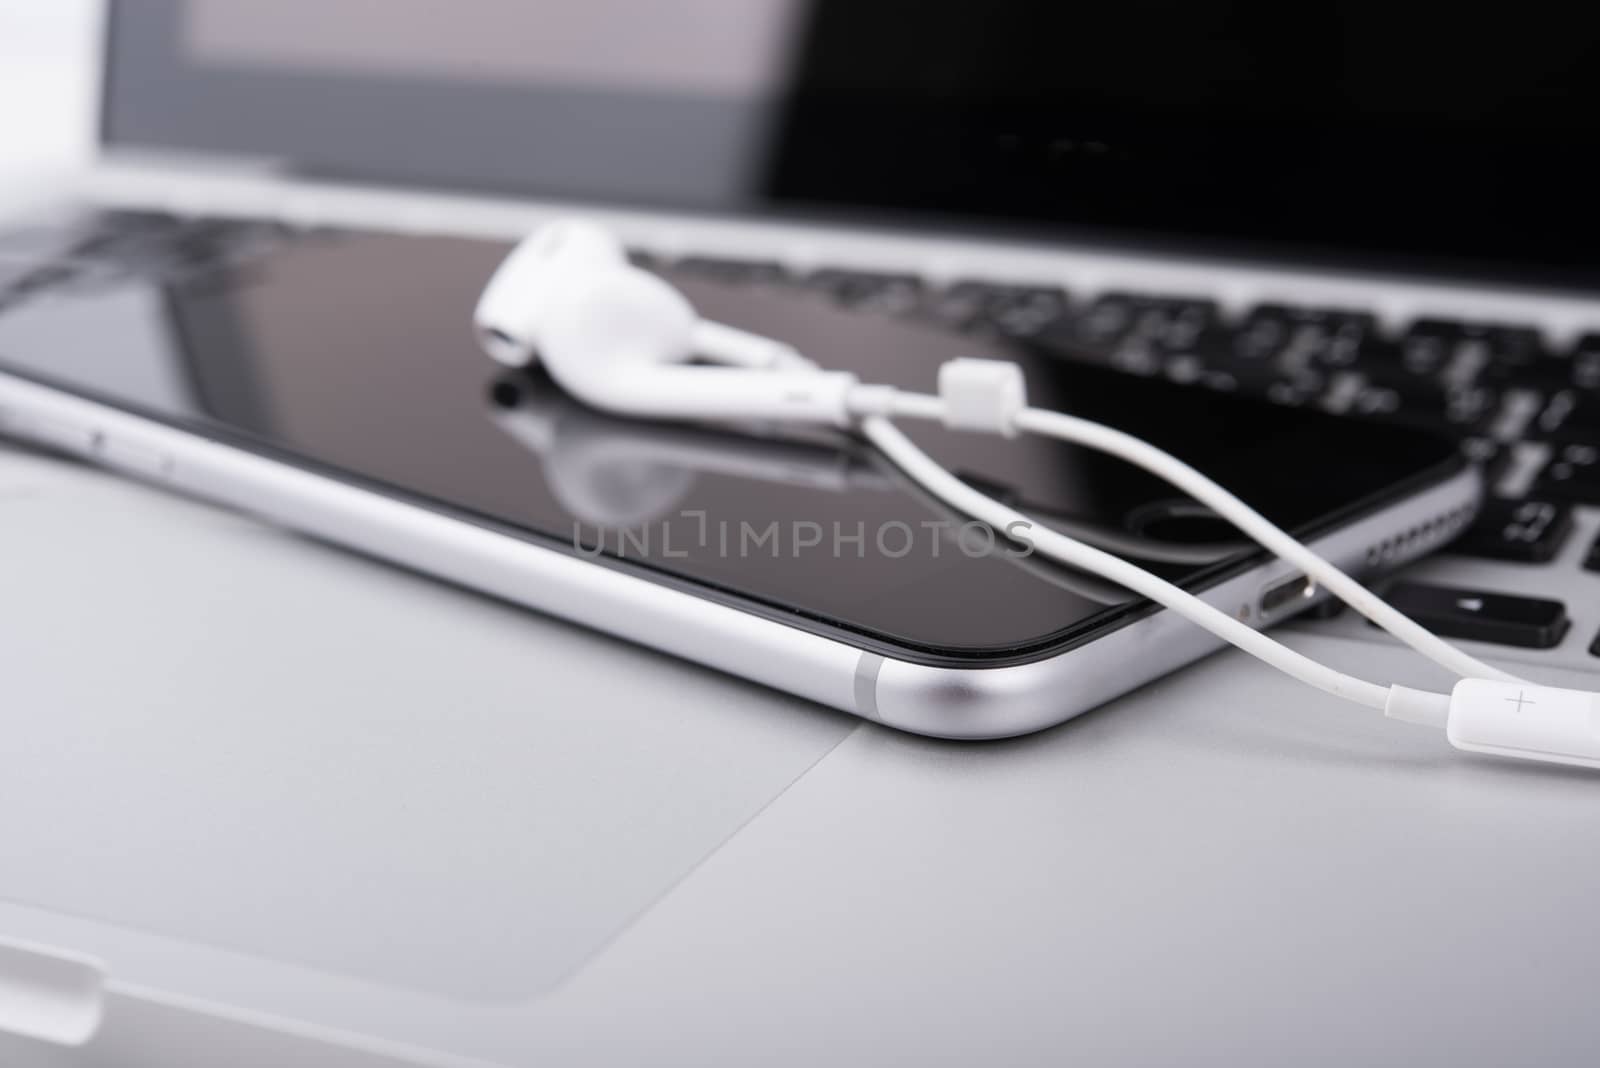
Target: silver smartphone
<point x="328" y="381"/>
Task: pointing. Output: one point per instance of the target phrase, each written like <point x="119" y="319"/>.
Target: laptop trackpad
<point x="226" y="735"/>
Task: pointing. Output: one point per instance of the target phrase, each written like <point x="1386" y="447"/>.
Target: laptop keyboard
<point x="1527" y="411"/>
<point x="119" y="245"/>
<point x="1506" y="396"/>
<point x="1497" y="388"/>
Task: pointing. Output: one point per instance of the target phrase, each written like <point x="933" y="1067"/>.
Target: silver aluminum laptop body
<point x="706" y="871"/>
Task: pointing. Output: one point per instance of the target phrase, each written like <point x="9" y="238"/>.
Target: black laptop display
<point x="1361" y="131"/>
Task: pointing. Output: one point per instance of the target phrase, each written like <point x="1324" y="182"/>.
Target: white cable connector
<point x="1509" y="719"/>
<point x="982" y="395"/>
<point x="1530" y="722"/>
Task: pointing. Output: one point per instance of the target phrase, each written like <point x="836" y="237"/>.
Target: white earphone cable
<point x="617" y="337"/>
<point x="1256" y="526"/>
<point x="940" y="483"/>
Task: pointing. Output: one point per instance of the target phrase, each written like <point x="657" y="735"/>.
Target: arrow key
<point x="1529" y="532"/>
<point x="1482" y="615"/>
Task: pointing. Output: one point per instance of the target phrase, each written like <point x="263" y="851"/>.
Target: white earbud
<point x="620" y="339"/>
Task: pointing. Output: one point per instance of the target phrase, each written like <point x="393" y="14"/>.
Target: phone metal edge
<point x="1028" y="697"/>
<point x="962" y="703"/>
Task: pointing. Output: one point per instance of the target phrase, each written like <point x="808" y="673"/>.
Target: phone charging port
<point x="1295" y="590"/>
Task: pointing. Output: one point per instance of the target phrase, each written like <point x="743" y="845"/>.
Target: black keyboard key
<point x="1263" y="333"/>
<point x="1530" y="532"/>
<point x="869" y="291"/>
<point x="1454" y="412"/>
<point x="961" y="306"/>
<point x="1176" y="324"/>
<point x="1012" y="310"/>
<point x="1386" y="369"/>
<point x="1585" y="363"/>
<point x="1142" y="335"/>
<point x="1572" y="474"/>
<point x="1461" y="351"/>
<point x="1550" y="372"/>
<point x="171" y="249"/>
<point x="733" y="272"/>
<point x="1425" y="348"/>
<point x="1592" y="561"/>
<point x="1492" y="456"/>
<point x="1328" y="336"/>
<point x="1569" y="417"/>
<point x="1106" y="320"/>
<point x="1346" y="339"/>
<point x="1594" y="650"/>
<point x="1510" y="344"/>
<point x="1478" y="615"/>
<point x="1165" y="324"/>
<point x="1302" y="356"/>
<point x="1466" y="378"/>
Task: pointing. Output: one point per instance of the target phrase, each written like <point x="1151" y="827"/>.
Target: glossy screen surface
<point x="352" y="355"/>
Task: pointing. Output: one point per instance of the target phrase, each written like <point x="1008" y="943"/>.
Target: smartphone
<point x="328" y="381"/>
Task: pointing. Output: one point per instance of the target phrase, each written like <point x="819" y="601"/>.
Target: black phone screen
<point x="352" y="354"/>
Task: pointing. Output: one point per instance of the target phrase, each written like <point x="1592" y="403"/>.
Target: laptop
<point x="1334" y="217"/>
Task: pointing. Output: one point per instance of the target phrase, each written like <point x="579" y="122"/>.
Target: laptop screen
<point x="1358" y="132"/>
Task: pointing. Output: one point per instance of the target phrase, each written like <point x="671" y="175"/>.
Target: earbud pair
<point x="623" y="340"/>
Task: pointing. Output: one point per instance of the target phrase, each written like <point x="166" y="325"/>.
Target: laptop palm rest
<point x="222" y="734"/>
